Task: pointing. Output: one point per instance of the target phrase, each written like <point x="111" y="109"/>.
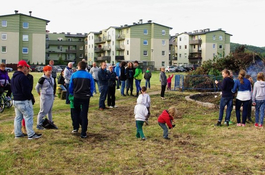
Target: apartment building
<point x="146" y="42"/>
<point x="22" y="38"/>
<point x="200" y="45"/>
<point x="65" y="47"/>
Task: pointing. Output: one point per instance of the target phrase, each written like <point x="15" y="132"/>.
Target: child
<point x="166" y="118"/>
<point x="227" y="97"/>
<point x="163" y="80"/>
<point x="258" y="99"/>
<point x="250" y="103"/>
<point x="45" y="88"/>
<point x="140" y="112"/>
<point x="146" y="101"/>
<point x="147" y="77"/>
<point x="169" y="82"/>
<point x="111" y="88"/>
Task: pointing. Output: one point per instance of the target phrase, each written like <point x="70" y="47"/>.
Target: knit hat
<point x="47" y="68"/>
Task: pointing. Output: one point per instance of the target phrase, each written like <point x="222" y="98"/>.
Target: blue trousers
<point x="225" y="101"/>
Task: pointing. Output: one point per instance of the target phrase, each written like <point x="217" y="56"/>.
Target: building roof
<point x="136" y="24"/>
<point x="47" y="21"/>
<point x="204" y="31"/>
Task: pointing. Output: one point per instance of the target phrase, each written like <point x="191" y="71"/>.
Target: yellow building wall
<point x="38" y="48"/>
<point x="12" y="45"/>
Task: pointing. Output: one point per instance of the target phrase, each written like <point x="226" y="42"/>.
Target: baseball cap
<point x="22" y="63"/>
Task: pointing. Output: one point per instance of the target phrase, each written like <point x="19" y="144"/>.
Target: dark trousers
<point x="103" y="94"/>
<point x="245" y="110"/>
<point x="80" y="113"/>
<point x="111" y="96"/>
<point x="225" y="101"/>
<point x="129" y="85"/>
<point x="67" y="101"/>
<point x="54" y="86"/>
<point x="163" y="88"/>
<point x="8" y="88"/>
<point x="249" y="110"/>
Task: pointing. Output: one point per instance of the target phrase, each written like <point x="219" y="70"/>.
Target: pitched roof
<point x="47" y="21"/>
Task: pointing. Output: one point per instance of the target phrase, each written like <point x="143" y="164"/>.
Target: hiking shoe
<point x="101" y="109"/>
<point x="218" y="123"/>
<point x="256" y="125"/>
<point x="239" y="124"/>
<point x="83" y="136"/>
<point x="115" y="106"/>
<point x="40" y="127"/>
<point x="75" y="131"/>
<point x="21" y="136"/>
<point x="230" y="123"/>
<point x="35" y="136"/>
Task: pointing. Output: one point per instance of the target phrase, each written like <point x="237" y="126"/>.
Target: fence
<point x="196" y="82"/>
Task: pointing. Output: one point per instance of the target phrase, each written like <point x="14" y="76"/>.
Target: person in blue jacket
<point x="117" y="70"/>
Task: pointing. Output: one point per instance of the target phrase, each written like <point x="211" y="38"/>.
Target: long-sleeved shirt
<point x="67" y="74"/>
<point x="94" y="72"/>
<point x="244" y="90"/>
<point x="146" y="99"/>
<point x="165" y="118"/>
<point x="226" y="86"/>
<point x="140" y="112"/>
<point x="103" y="77"/>
<point x="45" y="85"/>
<point x="258" y="91"/>
<point x="4" y="78"/>
<point x="163" y="78"/>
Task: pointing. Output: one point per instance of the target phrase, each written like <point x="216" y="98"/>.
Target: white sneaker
<point x="110" y="106"/>
<point x="115" y="106"/>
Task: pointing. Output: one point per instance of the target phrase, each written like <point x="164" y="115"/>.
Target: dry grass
<point x="196" y="145"/>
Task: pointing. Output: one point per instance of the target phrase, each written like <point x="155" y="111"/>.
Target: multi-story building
<point x="65" y="47"/>
<point x="22" y="37"/>
<point x="201" y="45"/>
<point x="145" y="42"/>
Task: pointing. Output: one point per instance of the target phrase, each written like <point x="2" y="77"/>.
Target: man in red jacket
<point x="166" y="118"/>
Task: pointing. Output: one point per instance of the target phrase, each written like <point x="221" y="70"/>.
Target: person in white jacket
<point x="140" y="112"/>
<point x="258" y="99"/>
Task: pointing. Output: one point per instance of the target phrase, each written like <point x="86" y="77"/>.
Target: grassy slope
<point x="196" y="147"/>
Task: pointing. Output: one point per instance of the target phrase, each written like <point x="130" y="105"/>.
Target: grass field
<point x="196" y="145"/>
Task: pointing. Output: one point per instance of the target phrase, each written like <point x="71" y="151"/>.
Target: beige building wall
<point x="227" y="49"/>
<point x="156" y="53"/>
<point x="12" y="45"/>
<point x="183" y="53"/>
<point x="38" y="48"/>
<point x="135" y="49"/>
<point x="90" y="49"/>
<point x="210" y="52"/>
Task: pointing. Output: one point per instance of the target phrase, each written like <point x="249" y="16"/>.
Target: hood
<point x="261" y="83"/>
<point x="117" y="64"/>
<point x="140" y="100"/>
<point x="18" y="73"/>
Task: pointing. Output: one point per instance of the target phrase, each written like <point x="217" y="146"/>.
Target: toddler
<point x="146" y="101"/>
<point x="169" y="82"/>
<point x="140" y="112"/>
<point x="166" y="118"/>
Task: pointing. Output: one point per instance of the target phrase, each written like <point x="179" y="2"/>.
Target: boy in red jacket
<point x="166" y="118"/>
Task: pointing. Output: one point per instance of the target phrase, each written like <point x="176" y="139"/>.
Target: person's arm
<point x="71" y="86"/>
<point x="254" y="94"/>
<point x="235" y="87"/>
<point x="137" y="72"/>
<point x="92" y="85"/>
<point x="168" y="121"/>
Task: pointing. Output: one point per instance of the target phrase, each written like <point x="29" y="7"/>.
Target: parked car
<point x="8" y="69"/>
<point x="39" y="68"/>
<point x="33" y="68"/>
<point x="180" y="69"/>
<point x="170" y="69"/>
<point x="59" y="69"/>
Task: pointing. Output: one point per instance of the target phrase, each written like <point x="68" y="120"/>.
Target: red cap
<point x="22" y="63"/>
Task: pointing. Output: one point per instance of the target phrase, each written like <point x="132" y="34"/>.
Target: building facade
<point x="65" y="47"/>
<point x="200" y="45"/>
<point x="144" y="42"/>
<point x="22" y="38"/>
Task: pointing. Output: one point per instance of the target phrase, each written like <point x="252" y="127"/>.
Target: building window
<point x="199" y="37"/>
<point x="127" y="41"/>
<point x="25" y="50"/>
<point x="220" y="46"/>
<point x="179" y="47"/>
<point x="213" y="45"/>
<point x="4" y="61"/>
<point x="25" y="38"/>
<point x="81" y="48"/>
<point x="81" y="55"/>
<point x="163" y="32"/>
<point x="4" y="36"/>
<point x="145" y="53"/>
<point x="179" y="55"/>
<point x="163" y="42"/>
<point x="145" y="31"/>
<point x="127" y="31"/>
<point x="213" y="37"/>
<point x="145" y="42"/>
<point x="25" y="25"/>
<point x="4" y="23"/>
<point x="185" y="46"/>
<point x="194" y="46"/>
<point x="163" y="63"/>
<point x="3" y="49"/>
<point x="127" y="52"/>
<point x="163" y="53"/>
<point x="113" y="53"/>
<point x="179" y="38"/>
<point x="220" y="38"/>
<point x="69" y="39"/>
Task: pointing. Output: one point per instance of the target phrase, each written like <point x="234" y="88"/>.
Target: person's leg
<point x="257" y="111"/>
<point x="67" y="94"/>
<point x="63" y="87"/>
<point x="83" y="114"/>
<point x="221" y="110"/>
<point x="249" y="110"/>
<point x="229" y="109"/>
<point x="8" y="88"/>
<point x="140" y="128"/>
<point x="131" y="86"/>
<point x="262" y="108"/>
<point x="163" y="88"/>
<point x="113" y="98"/>
<point x="28" y="116"/>
<point x="18" y="118"/>
<point x="54" y="86"/>
<point x="105" y="95"/>
<point x="109" y="97"/>
<point x="238" y="105"/>
<point x="137" y="133"/>
<point x="122" y="87"/>
<point x="245" y="111"/>
<point x="101" y="97"/>
<point x="49" y="104"/>
<point x="76" y="114"/>
<point x="165" y="129"/>
<point x="169" y="86"/>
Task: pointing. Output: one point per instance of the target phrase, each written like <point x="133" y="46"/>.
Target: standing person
<point x="81" y="87"/>
<point x="23" y="101"/>
<point x="250" y="103"/>
<point x="129" y="73"/>
<point x="169" y="79"/>
<point x="111" y="88"/>
<point x="117" y="70"/>
<point x="5" y="81"/>
<point x="163" y="80"/>
<point x="61" y="81"/>
<point x="147" y="77"/>
<point x="87" y="66"/>
<point x="44" y="88"/>
<point x="167" y="117"/>
<point x="243" y="96"/>
<point x="227" y="97"/>
<point x="68" y="71"/>
<point x="258" y="99"/>
<point x="123" y="77"/>
<point x="103" y="78"/>
<point x="146" y="102"/>
<point x="54" y="75"/>
<point x="138" y="75"/>
<point x="94" y="71"/>
<point x="140" y="112"/>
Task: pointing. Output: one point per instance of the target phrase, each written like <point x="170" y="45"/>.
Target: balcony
<point x="99" y="49"/>
<point x="195" y="59"/>
<point x="108" y="38"/>
<point x="119" y="58"/>
<point x="120" y="37"/>
<point x="107" y="48"/>
<point x="120" y="47"/>
<point x="70" y="51"/>
<point x="63" y="43"/>
<point x="104" y="58"/>
<point x="196" y="42"/>
<point x="100" y="40"/>
<point x="196" y="51"/>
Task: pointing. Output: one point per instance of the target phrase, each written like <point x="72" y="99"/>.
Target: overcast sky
<point x="244" y="19"/>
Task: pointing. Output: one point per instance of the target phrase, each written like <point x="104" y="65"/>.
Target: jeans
<point x="23" y="109"/>
<point x="63" y="87"/>
<point x="245" y="110"/>
<point x="118" y="83"/>
<point x="80" y="111"/>
<point x="103" y="94"/>
<point x="122" y="87"/>
<point x="96" y="82"/>
<point x="163" y="88"/>
<point x="147" y="83"/>
<point x="165" y="129"/>
<point x="129" y="84"/>
<point x="225" y="101"/>
<point x="259" y="113"/>
<point x="111" y="96"/>
<point x="139" y="129"/>
<point x="67" y="101"/>
<point x="138" y="86"/>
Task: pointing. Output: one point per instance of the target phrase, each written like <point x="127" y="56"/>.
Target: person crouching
<point x="166" y="118"/>
<point x="45" y="88"/>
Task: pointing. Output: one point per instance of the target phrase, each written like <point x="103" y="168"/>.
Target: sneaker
<point x="167" y="138"/>
<point x="21" y="136"/>
<point x="163" y="98"/>
<point x="256" y="125"/>
<point x="83" y="136"/>
<point x="243" y="125"/>
<point x="260" y="125"/>
<point x="101" y="109"/>
<point x="35" y="136"/>
<point x="239" y="124"/>
<point x="143" y="139"/>
<point x="40" y="127"/>
<point x="218" y="123"/>
<point x="111" y="107"/>
<point x="75" y="131"/>
<point x="230" y="123"/>
<point x="227" y="123"/>
<point x="115" y="106"/>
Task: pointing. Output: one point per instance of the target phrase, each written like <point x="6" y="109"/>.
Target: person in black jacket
<point x="129" y="74"/>
<point x="147" y="77"/>
<point x="103" y="78"/>
<point x="111" y="88"/>
<point x="123" y="77"/>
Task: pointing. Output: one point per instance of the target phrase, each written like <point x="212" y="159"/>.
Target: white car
<point x="8" y="69"/>
<point x="170" y="69"/>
